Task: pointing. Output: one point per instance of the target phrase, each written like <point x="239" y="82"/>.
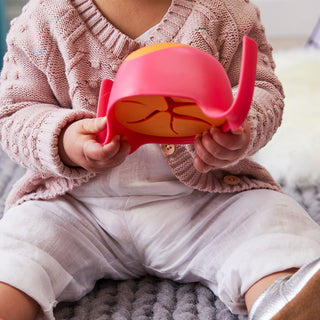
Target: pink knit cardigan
<point x="59" y="51"/>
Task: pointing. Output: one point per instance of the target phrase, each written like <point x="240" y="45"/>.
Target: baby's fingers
<point x="93" y="126"/>
<point x="101" y="157"/>
<point x="95" y="151"/>
<point x="118" y="148"/>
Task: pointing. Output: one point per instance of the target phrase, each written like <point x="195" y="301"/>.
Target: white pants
<point x="139" y="219"/>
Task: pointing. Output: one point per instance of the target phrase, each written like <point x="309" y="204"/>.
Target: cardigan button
<point x="115" y="68"/>
<point x="168" y="149"/>
<point x="232" y="180"/>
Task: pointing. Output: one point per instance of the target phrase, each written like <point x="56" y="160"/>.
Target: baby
<point x="199" y="212"/>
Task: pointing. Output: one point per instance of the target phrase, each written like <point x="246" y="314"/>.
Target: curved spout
<point x="241" y="105"/>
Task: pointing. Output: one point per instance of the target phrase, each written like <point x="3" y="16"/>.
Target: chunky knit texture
<point x="59" y="51"/>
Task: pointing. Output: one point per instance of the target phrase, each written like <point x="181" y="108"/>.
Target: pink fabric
<point x="59" y="51"/>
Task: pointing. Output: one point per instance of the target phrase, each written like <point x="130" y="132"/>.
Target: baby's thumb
<point x="238" y="131"/>
<point x="94" y="125"/>
<point x="101" y="123"/>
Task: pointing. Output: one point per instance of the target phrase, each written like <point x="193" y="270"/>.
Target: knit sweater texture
<point x="59" y="51"/>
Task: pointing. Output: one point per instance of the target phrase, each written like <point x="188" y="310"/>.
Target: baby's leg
<point x="16" y="305"/>
<point x="227" y="242"/>
<point x="55" y="251"/>
<point x="261" y="285"/>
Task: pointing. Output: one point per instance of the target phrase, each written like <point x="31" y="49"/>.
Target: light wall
<point x="289" y="21"/>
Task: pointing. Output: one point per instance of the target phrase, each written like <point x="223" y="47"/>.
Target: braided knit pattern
<point x="146" y="298"/>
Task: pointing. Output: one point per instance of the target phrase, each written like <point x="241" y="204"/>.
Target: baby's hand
<point x="78" y="146"/>
<point x="217" y="149"/>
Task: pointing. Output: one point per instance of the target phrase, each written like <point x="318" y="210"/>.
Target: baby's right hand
<point x="78" y="146"/>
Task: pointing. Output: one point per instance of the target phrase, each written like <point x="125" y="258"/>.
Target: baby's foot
<point x="295" y="297"/>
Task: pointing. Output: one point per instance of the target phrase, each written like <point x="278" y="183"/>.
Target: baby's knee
<point x="25" y="307"/>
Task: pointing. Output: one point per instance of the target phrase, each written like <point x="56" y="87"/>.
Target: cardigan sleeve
<point x="31" y="113"/>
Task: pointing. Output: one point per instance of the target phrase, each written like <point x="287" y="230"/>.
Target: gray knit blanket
<point x="149" y="297"/>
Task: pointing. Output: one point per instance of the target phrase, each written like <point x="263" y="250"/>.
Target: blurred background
<point x="289" y="23"/>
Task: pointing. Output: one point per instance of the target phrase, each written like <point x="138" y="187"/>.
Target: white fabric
<point x="139" y="219"/>
<point x="145" y="36"/>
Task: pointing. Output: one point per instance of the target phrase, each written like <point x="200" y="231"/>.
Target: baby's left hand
<point x="217" y="149"/>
